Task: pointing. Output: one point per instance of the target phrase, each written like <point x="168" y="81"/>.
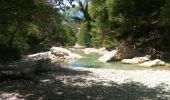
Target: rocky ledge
<point x="130" y="56"/>
<point x="54" y="54"/>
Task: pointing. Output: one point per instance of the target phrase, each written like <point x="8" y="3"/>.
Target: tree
<point x="29" y="26"/>
<point x="123" y="20"/>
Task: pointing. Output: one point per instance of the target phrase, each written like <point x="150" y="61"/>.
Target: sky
<point x="74" y="12"/>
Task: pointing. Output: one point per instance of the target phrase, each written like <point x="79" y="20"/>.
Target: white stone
<point x="108" y="56"/>
<point x="90" y="50"/>
<point x="60" y="51"/>
<point x="39" y="56"/>
<point x="153" y="63"/>
<point x="77" y="46"/>
<point x="55" y="53"/>
<point x="100" y="51"/>
<point x="136" y="60"/>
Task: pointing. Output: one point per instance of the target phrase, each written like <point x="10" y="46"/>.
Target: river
<point x="91" y="61"/>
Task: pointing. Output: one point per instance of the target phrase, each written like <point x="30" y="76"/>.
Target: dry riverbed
<point x="90" y="84"/>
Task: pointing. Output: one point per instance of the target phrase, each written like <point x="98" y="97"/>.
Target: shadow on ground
<point x="55" y="89"/>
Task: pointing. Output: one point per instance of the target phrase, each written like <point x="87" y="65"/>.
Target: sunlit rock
<point x="125" y="53"/>
<point x="153" y="63"/>
<point x="119" y="54"/>
<point x="108" y="56"/>
<point x="77" y="46"/>
<point x="100" y="51"/>
<point x="40" y="56"/>
<point x="136" y="60"/>
<point x="59" y="51"/>
<point x="55" y="54"/>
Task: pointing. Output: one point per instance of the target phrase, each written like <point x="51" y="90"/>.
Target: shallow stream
<point x="91" y="61"/>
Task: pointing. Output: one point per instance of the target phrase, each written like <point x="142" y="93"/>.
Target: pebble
<point x="149" y="78"/>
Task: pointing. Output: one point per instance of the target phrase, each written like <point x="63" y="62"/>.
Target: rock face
<point x="153" y="63"/>
<point x="108" y="56"/>
<point x="42" y="55"/>
<point x="59" y="51"/>
<point x="55" y="54"/>
<point x="100" y="51"/>
<point x="119" y="54"/>
<point x="136" y="60"/>
<point x="125" y="53"/>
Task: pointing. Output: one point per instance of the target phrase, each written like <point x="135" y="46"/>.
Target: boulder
<point x="100" y="51"/>
<point x="167" y="64"/>
<point x="136" y="60"/>
<point x="77" y="46"/>
<point x="58" y="51"/>
<point x="108" y="56"/>
<point x="125" y="53"/>
<point x="55" y="54"/>
<point x="90" y="50"/>
<point x="42" y="55"/>
<point x="153" y="63"/>
<point x="119" y="54"/>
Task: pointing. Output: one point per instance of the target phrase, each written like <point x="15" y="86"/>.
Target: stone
<point x="136" y="60"/>
<point x="167" y="64"/>
<point x="119" y="54"/>
<point x="108" y="56"/>
<point x="100" y="51"/>
<point x="55" y="54"/>
<point x="153" y="63"/>
<point x="125" y="53"/>
<point x="59" y="51"/>
<point x="77" y="46"/>
<point x="90" y="50"/>
<point x="40" y="56"/>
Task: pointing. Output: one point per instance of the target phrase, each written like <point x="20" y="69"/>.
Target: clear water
<point x="91" y="61"/>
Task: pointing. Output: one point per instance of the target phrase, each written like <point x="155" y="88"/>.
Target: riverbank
<point x="90" y="84"/>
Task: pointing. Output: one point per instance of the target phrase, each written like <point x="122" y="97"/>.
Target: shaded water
<point x="91" y="61"/>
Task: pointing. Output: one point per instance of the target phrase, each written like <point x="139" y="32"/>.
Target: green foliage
<point x="84" y="37"/>
<point x="32" y="26"/>
<point x="68" y="36"/>
<point x="96" y="40"/>
<point x="130" y="21"/>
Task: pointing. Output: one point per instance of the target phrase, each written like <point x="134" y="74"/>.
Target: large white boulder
<point x="67" y="54"/>
<point x="60" y="51"/>
<point x="77" y="46"/>
<point x="100" y="51"/>
<point x="40" y="56"/>
<point x="125" y="53"/>
<point x="108" y="56"/>
<point x="153" y="63"/>
<point x="55" y="54"/>
<point x="90" y="50"/>
<point x="136" y="60"/>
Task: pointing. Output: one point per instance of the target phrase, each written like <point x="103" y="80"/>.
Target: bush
<point x="9" y="54"/>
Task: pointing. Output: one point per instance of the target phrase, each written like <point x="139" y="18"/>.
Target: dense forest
<point x="136" y="23"/>
<point x="30" y="26"/>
